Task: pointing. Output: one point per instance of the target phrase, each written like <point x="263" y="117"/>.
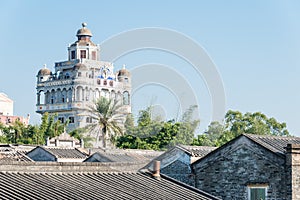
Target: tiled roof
<point x="28" y="185"/>
<point x="198" y="151"/>
<point x="110" y="157"/>
<point x="19" y="148"/>
<point x="120" y="156"/>
<point x="64" y="152"/>
<point x="8" y="156"/>
<point x="276" y="144"/>
<point x="64" y="137"/>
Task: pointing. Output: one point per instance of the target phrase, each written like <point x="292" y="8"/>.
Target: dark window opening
<point x="111" y="83"/>
<point x="72" y="54"/>
<point x="71" y="120"/>
<point x="82" y="53"/>
<point x="61" y="119"/>
<point x="98" y="81"/>
<point x="89" y="119"/>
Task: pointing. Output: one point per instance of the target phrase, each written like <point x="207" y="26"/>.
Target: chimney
<point x="293" y="170"/>
<point x="48" y="141"/>
<point x="156" y="170"/>
<point x="81" y="143"/>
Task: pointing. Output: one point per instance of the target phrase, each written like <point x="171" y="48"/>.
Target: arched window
<point x="126" y="100"/>
<point x="67" y="75"/>
<point x="52" y="100"/>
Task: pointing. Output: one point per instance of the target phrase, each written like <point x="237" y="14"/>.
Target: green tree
<point x="237" y="123"/>
<point x="211" y="136"/>
<point x="187" y="127"/>
<point x="156" y="134"/>
<point x="109" y="117"/>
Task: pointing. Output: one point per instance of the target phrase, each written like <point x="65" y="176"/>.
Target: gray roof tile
<point x="198" y="151"/>
<point x="276" y="144"/>
<point x="93" y="186"/>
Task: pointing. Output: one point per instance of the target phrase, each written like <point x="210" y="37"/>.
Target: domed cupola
<point x="124" y="75"/>
<point x="44" y="74"/>
<point x="44" y="71"/>
<point x="84" y="32"/>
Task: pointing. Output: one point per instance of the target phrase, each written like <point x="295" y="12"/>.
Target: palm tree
<point x="109" y="117"/>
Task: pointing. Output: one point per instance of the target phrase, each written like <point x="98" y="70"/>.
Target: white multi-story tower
<point x="78" y="82"/>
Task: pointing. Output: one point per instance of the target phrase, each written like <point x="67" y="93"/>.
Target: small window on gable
<point x="257" y="192"/>
<point x="82" y="53"/>
<point x="72" y="55"/>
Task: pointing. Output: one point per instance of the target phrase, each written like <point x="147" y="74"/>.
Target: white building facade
<point x="78" y="82"/>
<point x="6" y="105"/>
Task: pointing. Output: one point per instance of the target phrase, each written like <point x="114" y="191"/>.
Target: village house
<point x="177" y="161"/>
<point x="251" y="167"/>
<point x="57" y="154"/>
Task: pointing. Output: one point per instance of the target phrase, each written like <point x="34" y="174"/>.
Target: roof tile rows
<point x="198" y="151"/>
<point x="10" y="156"/>
<point x="25" y="185"/>
<point x="275" y="144"/>
<point x="60" y="152"/>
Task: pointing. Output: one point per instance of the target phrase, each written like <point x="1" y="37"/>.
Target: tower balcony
<point x="61" y="107"/>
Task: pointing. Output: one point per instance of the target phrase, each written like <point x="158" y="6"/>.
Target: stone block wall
<point x="180" y="171"/>
<point x="228" y="172"/>
<point x="293" y="171"/>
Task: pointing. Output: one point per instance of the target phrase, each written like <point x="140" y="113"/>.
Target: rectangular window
<point x="61" y="119"/>
<point x="257" y="192"/>
<point x="71" y="120"/>
<point x="94" y="55"/>
<point x="72" y="55"/>
<point x="82" y="53"/>
<point x="89" y="119"/>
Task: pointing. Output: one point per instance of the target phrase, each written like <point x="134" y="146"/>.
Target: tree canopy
<point x="19" y="133"/>
<point x="237" y="123"/>
<point x="156" y="134"/>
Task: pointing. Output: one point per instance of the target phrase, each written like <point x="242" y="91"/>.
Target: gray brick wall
<point x="179" y="171"/>
<point x="228" y="172"/>
<point x="293" y="171"/>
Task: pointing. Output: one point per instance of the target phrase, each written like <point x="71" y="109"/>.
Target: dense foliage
<point x="236" y="123"/>
<point x="18" y="133"/>
<point x="155" y="134"/>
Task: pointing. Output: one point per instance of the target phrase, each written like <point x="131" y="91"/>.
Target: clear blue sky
<point x="254" y="44"/>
